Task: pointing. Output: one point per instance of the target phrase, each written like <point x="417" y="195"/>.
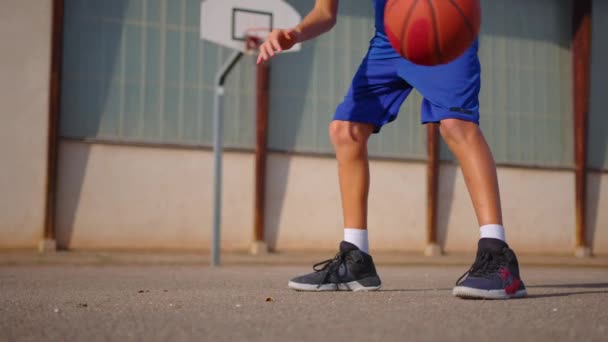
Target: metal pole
<point x="432" y="188"/>
<point x="581" y="52"/>
<point x="263" y="80"/>
<point x="218" y="138"/>
<point x="48" y="242"/>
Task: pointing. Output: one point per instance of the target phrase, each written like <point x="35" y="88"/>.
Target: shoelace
<point x="330" y="266"/>
<point x="486" y="264"/>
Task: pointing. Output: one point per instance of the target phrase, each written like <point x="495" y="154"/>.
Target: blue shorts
<point x="380" y="86"/>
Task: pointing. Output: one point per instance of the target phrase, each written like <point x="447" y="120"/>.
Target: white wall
<point x="131" y="197"/>
<point x="538" y="210"/>
<point x="597" y="212"/>
<point x="304" y="211"/>
<point x="25" y="36"/>
<point x="140" y="197"/>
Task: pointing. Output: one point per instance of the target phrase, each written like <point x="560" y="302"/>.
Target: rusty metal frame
<point x="262" y="98"/>
<point x="432" y="189"/>
<point x="581" y="60"/>
<point x="53" y="116"/>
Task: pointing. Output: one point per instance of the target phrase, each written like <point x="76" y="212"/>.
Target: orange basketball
<point x="432" y="32"/>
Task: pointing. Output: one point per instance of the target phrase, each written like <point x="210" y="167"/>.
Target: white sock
<point x="492" y="231"/>
<point x="357" y="237"/>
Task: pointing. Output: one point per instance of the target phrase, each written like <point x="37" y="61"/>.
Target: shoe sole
<point x="354" y="286"/>
<point x="473" y="293"/>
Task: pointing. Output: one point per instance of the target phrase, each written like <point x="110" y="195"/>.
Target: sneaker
<point x="494" y="274"/>
<point x="350" y="270"/>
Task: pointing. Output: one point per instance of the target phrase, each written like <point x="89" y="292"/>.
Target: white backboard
<point x="225" y="22"/>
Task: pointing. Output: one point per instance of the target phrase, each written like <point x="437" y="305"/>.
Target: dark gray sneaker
<point x="350" y="270"/>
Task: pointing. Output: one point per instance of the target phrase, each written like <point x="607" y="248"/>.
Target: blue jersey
<point x="380" y="47"/>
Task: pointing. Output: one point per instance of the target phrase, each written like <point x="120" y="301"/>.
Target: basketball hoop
<point x="241" y="25"/>
<point x="244" y="25"/>
<point x="254" y="37"/>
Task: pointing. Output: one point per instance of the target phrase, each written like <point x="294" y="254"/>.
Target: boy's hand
<point x="278" y="40"/>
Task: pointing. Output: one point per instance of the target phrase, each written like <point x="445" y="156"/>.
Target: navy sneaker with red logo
<point x="494" y="274"/>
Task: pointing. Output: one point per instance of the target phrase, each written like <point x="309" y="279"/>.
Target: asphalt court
<point x="252" y="303"/>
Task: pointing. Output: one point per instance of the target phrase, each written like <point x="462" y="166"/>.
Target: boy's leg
<point x="468" y="144"/>
<point x="350" y="144"/>
<point x="374" y="98"/>
<point x="451" y="93"/>
<point x="495" y="273"/>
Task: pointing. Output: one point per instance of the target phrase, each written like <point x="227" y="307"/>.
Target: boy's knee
<point x="455" y="130"/>
<point x="345" y="133"/>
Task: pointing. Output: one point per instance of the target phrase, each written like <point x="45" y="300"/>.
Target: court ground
<point x="148" y="302"/>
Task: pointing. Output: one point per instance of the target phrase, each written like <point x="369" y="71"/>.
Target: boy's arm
<point x="320" y="20"/>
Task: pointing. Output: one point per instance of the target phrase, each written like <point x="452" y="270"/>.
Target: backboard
<point x="229" y="22"/>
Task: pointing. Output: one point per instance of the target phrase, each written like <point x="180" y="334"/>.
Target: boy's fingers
<point x="263" y="56"/>
<point x="275" y="45"/>
<point x="271" y="45"/>
<point x="262" y="53"/>
<point x="269" y="50"/>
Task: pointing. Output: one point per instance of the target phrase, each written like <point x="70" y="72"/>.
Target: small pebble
<point x="554" y="309"/>
<point x="238" y="305"/>
<point x="55" y="310"/>
<point x="269" y="299"/>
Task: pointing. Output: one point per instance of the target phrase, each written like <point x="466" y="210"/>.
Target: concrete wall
<point x="140" y="197"/>
<point x="25" y="36"/>
<point x="130" y="197"/>
<point x="597" y="212"/>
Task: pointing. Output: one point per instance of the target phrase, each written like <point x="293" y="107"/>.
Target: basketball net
<point x="254" y="37"/>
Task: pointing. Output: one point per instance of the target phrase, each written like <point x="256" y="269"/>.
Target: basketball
<point x="432" y="32"/>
